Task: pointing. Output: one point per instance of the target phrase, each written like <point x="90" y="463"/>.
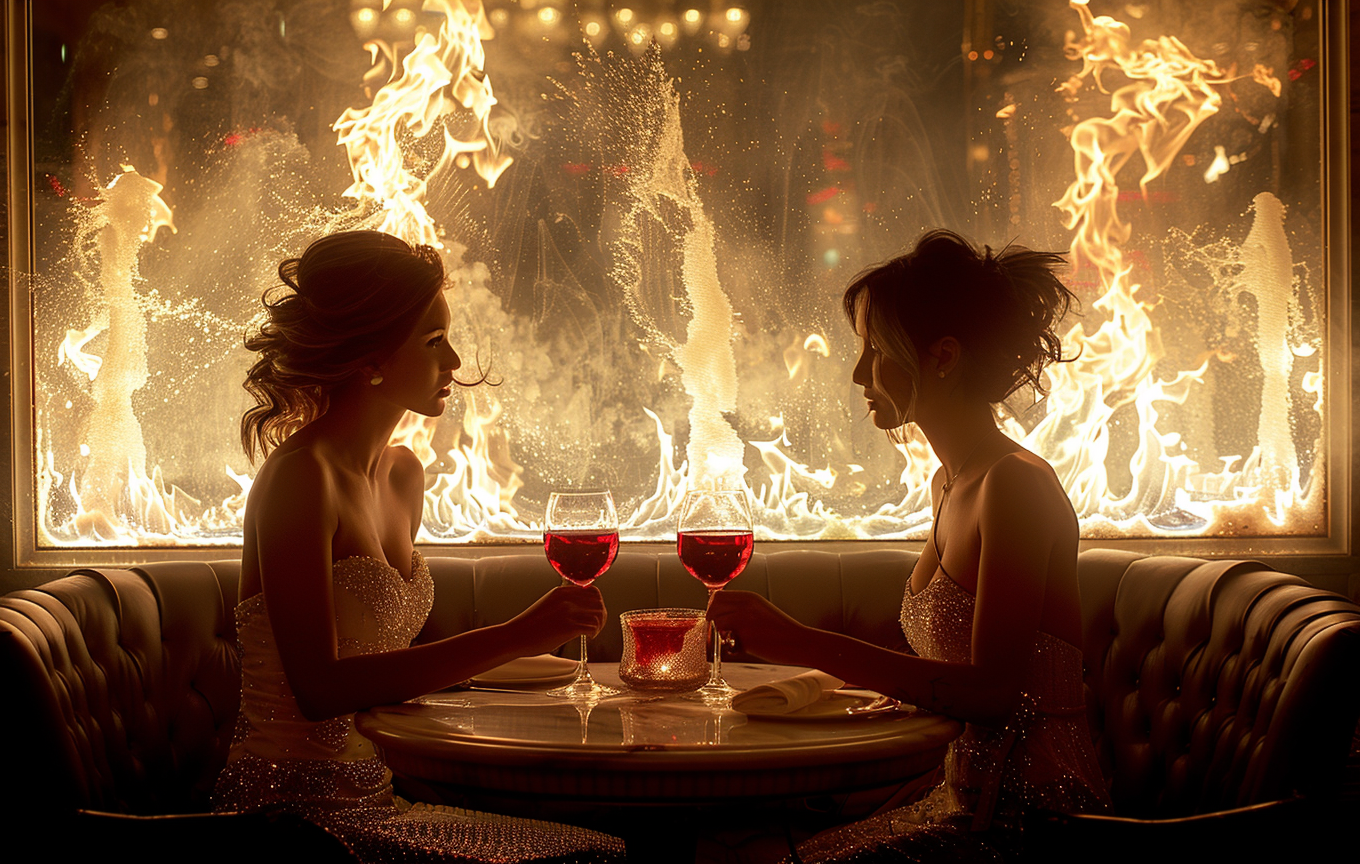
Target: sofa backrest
<point x="1215" y="684"/>
<point x="859" y="593"/>
<point x="121" y="689"/>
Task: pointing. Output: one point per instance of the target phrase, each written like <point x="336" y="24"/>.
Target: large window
<point x="649" y="212"/>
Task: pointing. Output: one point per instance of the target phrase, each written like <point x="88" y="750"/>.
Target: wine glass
<point x="581" y="538"/>
<point x="714" y="542"/>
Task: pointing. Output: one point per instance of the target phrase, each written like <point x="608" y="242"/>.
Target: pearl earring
<point x="376" y="379"/>
<point x="942" y="373"/>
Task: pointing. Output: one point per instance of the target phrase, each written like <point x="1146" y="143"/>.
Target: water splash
<point x="112" y="486"/>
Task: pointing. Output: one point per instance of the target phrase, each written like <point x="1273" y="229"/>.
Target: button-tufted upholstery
<point x="124" y="684"/>
<point x="1215" y="684"/>
<point x="121" y="689"/>
<point x="1223" y="697"/>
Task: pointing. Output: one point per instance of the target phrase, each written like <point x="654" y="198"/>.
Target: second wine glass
<point x="581" y="538"/>
<point x="714" y="541"/>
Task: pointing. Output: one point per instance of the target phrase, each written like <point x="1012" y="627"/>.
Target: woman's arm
<point x="1020" y="524"/>
<point x="295" y="521"/>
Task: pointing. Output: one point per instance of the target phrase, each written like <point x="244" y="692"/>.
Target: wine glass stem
<point x="715" y="671"/>
<point x="582" y="670"/>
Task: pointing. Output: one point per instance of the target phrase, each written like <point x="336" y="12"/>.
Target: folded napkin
<point x="529" y="668"/>
<point x="786" y="695"/>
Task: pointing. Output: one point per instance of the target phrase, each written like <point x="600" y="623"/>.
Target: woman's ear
<point x="944" y="354"/>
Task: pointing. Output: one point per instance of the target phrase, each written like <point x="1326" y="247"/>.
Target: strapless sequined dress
<point x="1043" y="758"/>
<point x="331" y="774"/>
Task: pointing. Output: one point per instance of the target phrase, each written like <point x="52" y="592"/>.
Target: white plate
<point x="528" y="672"/>
<point x="836" y="705"/>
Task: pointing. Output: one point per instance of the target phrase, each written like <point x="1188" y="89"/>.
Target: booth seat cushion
<point x="123" y="686"/>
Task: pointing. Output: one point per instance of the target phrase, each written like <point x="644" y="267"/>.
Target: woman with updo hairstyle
<point x="352" y="297"/>
<point x="991" y="611"/>
<point x="332" y="589"/>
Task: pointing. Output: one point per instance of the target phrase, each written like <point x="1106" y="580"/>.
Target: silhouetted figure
<point x="332" y="588"/>
<point x="992" y="609"/>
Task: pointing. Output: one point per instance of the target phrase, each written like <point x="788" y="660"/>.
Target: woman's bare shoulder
<point x="1020" y="479"/>
<point x="300" y="463"/>
<point x="292" y="482"/>
<point x="406" y="478"/>
<point x="1021" y="464"/>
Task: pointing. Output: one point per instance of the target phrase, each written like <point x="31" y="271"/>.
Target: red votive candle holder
<point x="663" y="649"/>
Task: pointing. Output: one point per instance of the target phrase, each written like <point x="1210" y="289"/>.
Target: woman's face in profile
<point x="419" y="374"/>
<point x="887" y="386"/>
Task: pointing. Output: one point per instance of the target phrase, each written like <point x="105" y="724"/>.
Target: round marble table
<point x="644" y="749"/>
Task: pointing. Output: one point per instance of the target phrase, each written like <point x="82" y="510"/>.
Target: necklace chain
<point x="944" y="492"/>
<point x="950" y="481"/>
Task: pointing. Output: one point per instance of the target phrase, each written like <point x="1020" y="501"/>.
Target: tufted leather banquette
<point x="121" y="689"/>
<point x="1223" y="698"/>
<point x="1215" y="684"/>
<point x="1210" y="684"/>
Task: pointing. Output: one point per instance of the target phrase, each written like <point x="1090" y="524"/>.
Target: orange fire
<point x="439" y="87"/>
<point x="1169" y="93"/>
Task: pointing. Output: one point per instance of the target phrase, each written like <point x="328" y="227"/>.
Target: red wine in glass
<point x="581" y="556"/>
<point x="714" y="541"/>
<point x="580" y="539"/>
<point x="715" y="557"/>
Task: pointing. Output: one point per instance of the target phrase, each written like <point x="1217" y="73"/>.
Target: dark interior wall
<point x="1340" y="573"/>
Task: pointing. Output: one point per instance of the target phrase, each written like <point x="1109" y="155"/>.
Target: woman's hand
<point x="760" y="627"/>
<point x="562" y="614"/>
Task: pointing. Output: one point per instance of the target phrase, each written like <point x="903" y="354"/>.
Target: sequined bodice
<point x="376" y="609"/>
<point x="327" y="763"/>
<point x="1044" y="756"/>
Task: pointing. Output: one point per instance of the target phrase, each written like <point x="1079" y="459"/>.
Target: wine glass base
<point x="583" y="688"/>
<point x="714" y="693"/>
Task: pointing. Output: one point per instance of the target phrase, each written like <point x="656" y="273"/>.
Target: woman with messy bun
<point x="991" y="610"/>
<point x="332" y="589"/>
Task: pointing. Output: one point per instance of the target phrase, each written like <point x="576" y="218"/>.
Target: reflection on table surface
<point x="639" y="748"/>
<point x="634" y="720"/>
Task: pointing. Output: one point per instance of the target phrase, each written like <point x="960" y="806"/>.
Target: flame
<point x="439" y="85"/>
<point x="115" y="499"/>
<point x="433" y="87"/>
<point x="444" y="72"/>
<point x="1169" y="94"/>
<point x="1219" y="166"/>
<point x="412" y="432"/>
<point x="473" y="501"/>
<point x="816" y="343"/>
<point x="797" y="354"/>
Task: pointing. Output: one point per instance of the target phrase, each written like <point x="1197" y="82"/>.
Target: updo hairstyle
<point x="1002" y="308"/>
<point x="350" y="301"/>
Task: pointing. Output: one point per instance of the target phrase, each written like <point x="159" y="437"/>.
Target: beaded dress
<point x="1043" y="758"/>
<point x="331" y="774"/>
